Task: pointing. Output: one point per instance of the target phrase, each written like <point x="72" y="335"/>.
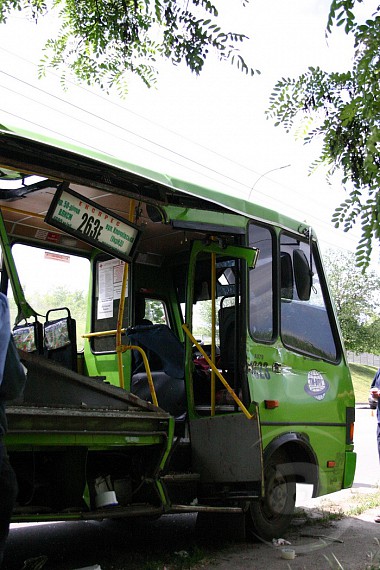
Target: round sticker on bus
<point x="316" y="385"/>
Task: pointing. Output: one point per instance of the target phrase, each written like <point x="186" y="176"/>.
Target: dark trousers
<point x="8" y="494"/>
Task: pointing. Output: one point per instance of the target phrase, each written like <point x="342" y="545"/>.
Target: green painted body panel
<point x="105" y="365"/>
<point x="349" y="472"/>
<point x="319" y="418"/>
<point x="227" y="220"/>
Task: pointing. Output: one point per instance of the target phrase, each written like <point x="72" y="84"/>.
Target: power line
<point x="146" y="119"/>
<point x="162" y="147"/>
<point x="77" y="107"/>
<point x="91" y="125"/>
<point x="140" y="116"/>
<point x="150" y="141"/>
<point x="78" y="142"/>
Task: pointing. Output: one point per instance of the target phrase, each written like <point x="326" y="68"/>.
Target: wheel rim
<point x="277" y="492"/>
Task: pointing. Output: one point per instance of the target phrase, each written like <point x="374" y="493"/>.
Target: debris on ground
<point x="280" y="542"/>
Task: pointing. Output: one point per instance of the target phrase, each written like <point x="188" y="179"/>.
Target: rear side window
<point x="52" y="279"/>
<point x="306" y="323"/>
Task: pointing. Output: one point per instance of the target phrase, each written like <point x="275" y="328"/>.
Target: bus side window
<point x="64" y="283"/>
<point x="156" y="311"/>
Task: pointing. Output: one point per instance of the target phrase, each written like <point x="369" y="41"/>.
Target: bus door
<point x="223" y="422"/>
<point x="295" y="356"/>
<point x="296" y="366"/>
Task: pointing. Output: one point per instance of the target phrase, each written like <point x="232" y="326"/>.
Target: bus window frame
<point x="275" y="283"/>
<point x="317" y="266"/>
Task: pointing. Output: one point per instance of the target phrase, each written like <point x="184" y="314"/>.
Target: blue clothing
<point x="376" y="384"/>
<point x="5" y="332"/>
<point x="8" y="484"/>
<point x="376" y="380"/>
<point x="12" y="371"/>
<point x="8" y="495"/>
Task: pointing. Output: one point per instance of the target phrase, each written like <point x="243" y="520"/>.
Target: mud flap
<point x="227" y="449"/>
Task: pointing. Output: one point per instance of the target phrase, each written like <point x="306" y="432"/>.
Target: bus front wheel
<point x="269" y="517"/>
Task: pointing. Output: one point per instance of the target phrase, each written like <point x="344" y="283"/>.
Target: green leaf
<point x="344" y="107"/>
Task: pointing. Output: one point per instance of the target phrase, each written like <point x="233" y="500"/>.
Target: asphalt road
<point x="113" y="545"/>
<point x="117" y="545"/>
<point x="367" y="467"/>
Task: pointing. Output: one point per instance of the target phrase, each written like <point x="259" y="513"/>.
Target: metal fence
<point x="364" y="358"/>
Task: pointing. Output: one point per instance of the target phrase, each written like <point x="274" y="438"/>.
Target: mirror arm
<point x="310" y="236"/>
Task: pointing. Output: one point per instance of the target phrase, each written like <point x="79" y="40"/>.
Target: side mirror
<point x="302" y="274"/>
<point x="286" y="276"/>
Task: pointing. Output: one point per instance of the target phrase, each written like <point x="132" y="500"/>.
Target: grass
<point x="362" y="377"/>
<point x="326" y="515"/>
<point x="331" y="510"/>
<point x="357" y="504"/>
<point x="364" y="503"/>
<point x="374" y="558"/>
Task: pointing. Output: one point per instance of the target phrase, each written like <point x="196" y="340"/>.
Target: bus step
<point x="180" y="478"/>
<point x="205" y="509"/>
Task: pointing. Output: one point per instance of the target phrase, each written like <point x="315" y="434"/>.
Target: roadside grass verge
<point x="362" y="377"/>
<point x="329" y="510"/>
<point x="363" y="503"/>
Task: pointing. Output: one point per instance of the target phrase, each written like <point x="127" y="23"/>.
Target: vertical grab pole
<point x="24" y="309"/>
<point x="120" y="315"/>
<point x="213" y="331"/>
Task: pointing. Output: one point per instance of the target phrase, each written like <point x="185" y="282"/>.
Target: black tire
<point x="270" y="516"/>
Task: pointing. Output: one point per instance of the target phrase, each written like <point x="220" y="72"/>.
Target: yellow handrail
<point x="118" y="326"/>
<point x="123" y="348"/>
<point x="121" y="311"/>
<point x="101" y="333"/>
<point x="217" y="372"/>
<point x="213" y="329"/>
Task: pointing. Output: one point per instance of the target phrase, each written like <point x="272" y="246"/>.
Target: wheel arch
<point x="303" y="461"/>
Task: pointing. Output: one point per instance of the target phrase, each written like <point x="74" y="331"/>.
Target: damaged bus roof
<point x="28" y="159"/>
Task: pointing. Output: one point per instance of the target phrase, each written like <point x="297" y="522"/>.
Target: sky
<point x="210" y="129"/>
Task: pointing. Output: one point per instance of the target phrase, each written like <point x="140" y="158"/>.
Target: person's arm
<point x="5" y="332"/>
<point x="12" y="371"/>
<point x="375" y="386"/>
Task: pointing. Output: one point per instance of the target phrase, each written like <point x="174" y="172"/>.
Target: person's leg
<point x="8" y="494"/>
<point x="377" y="518"/>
